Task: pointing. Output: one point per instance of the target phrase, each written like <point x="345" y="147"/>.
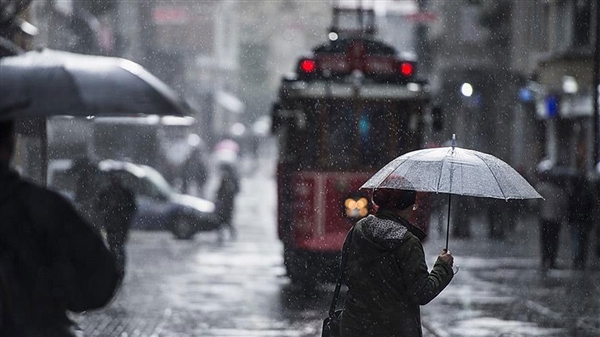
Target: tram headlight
<point x="356" y="208"/>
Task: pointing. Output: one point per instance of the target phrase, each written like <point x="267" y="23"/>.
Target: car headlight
<point x="356" y="208"/>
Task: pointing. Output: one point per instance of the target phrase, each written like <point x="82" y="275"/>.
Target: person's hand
<point x="447" y="257"/>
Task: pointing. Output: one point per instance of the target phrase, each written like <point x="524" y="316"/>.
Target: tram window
<point x="339" y="137"/>
<point x="298" y="141"/>
<point x="373" y="128"/>
<point x="345" y="135"/>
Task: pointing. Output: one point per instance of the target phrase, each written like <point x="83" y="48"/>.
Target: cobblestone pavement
<point x="205" y="287"/>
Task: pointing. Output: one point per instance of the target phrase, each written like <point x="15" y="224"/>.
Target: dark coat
<point x="387" y="279"/>
<point x="228" y="189"/>
<point x="581" y="203"/>
<point x="51" y="261"/>
<point x="116" y="205"/>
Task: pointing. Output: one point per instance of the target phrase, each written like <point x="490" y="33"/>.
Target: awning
<point x="229" y="102"/>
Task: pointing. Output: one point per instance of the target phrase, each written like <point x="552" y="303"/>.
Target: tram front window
<point x="373" y="130"/>
<point x="339" y="137"/>
<point x="346" y="136"/>
<point x="357" y="136"/>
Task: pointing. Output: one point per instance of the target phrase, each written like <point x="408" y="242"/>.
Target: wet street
<point x="208" y="287"/>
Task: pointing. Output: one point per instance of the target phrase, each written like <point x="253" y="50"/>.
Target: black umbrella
<point x="49" y="83"/>
<point x="44" y="83"/>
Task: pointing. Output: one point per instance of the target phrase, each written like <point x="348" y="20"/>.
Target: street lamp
<point x="466" y="89"/>
<point x="570" y="85"/>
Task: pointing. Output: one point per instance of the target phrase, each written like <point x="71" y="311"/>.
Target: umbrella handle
<point x="448" y="224"/>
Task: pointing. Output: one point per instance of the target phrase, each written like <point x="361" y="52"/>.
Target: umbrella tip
<point x="453" y="141"/>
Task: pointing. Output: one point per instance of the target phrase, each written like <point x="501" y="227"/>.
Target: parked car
<point x="159" y="207"/>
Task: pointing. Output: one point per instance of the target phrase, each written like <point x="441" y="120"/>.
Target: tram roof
<point x="418" y="91"/>
<point x="372" y="46"/>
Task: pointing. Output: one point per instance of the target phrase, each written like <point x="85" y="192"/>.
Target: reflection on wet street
<point x="208" y="287"/>
<point x="500" y="291"/>
<point x="205" y="287"/>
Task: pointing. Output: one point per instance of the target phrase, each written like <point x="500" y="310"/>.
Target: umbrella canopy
<point x="49" y="82"/>
<point x="453" y="170"/>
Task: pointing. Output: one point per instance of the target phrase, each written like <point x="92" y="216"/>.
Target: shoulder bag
<point x="331" y="324"/>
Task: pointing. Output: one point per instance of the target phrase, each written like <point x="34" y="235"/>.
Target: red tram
<point x="349" y="109"/>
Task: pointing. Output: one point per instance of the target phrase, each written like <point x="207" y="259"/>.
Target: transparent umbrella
<point x="453" y="170"/>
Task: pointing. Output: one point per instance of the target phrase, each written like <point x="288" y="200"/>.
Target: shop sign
<point x="167" y="15"/>
<point x="579" y="105"/>
<point x="547" y="107"/>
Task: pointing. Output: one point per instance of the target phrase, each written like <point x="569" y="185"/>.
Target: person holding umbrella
<point x="51" y="260"/>
<point x="387" y="275"/>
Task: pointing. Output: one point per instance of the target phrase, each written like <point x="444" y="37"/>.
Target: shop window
<point x="572" y="25"/>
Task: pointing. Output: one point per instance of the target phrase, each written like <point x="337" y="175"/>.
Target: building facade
<point x="565" y="79"/>
<point x="528" y="63"/>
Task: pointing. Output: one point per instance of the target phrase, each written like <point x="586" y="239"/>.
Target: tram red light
<point x="407" y="69"/>
<point x="308" y="66"/>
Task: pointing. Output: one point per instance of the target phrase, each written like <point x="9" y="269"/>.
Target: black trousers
<point x="549" y="235"/>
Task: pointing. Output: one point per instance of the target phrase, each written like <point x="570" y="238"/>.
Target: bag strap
<point x="342" y="271"/>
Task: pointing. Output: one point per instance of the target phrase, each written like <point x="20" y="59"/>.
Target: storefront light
<point x="569" y="85"/>
<point x="466" y="89"/>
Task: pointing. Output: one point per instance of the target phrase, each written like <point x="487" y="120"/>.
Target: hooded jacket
<point x="51" y="261"/>
<point x="387" y="278"/>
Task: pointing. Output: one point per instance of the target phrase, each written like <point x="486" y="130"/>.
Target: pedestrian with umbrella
<point x="387" y="275"/>
<point x="51" y="260"/>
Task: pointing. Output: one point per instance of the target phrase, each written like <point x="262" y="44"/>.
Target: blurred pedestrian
<point x="116" y="206"/>
<point x="387" y="275"/>
<point x="552" y="211"/>
<point x="51" y="260"/>
<point x="229" y="187"/>
<point x="597" y="214"/>
<point x="86" y="188"/>
<point x="497" y="212"/>
<point x="581" y="204"/>
<point x="227" y="151"/>
<point x="195" y="171"/>
<point x="597" y="240"/>
<point x="461" y="208"/>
